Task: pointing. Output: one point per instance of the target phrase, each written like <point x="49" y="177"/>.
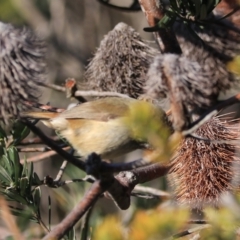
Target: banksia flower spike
<point x="21" y="69"/>
<point x="120" y="63"/>
<point x="203" y="170"/>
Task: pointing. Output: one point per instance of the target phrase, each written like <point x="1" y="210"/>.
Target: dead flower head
<point x="203" y="170"/>
<point x="21" y="68"/>
<point x="120" y="63"/>
<point x="183" y="78"/>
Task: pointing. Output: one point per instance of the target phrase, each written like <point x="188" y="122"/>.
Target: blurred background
<point x="72" y="30"/>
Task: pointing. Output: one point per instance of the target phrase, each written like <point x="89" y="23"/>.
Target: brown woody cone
<point x="120" y="63"/>
<point x="21" y="69"/>
<point x="202" y="170"/>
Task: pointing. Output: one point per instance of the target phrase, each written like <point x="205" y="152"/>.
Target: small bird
<point x="97" y="126"/>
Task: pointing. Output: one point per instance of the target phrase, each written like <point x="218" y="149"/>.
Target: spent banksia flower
<point x="193" y="81"/>
<point x="203" y="170"/>
<point x="120" y="63"/>
<point x="174" y="74"/>
<point x="21" y="68"/>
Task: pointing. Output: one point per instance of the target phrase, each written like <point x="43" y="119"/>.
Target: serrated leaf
<point x="15" y="196"/>
<point x="4" y="176"/>
<point x="7" y="165"/>
<point x="14" y="158"/>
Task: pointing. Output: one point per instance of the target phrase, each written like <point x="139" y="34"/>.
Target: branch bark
<point x="84" y="205"/>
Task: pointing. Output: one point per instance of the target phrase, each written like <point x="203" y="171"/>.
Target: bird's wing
<point x="102" y="109"/>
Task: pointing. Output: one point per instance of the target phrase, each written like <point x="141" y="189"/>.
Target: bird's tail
<point x="40" y="115"/>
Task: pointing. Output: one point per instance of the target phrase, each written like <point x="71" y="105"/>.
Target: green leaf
<point x="24" y="213"/>
<point x="4" y="176"/>
<point x="7" y="165"/>
<point x="23" y="185"/>
<point x="37" y="197"/>
<point x="19" y="132"/>
<point x="14" y="157"/>
<point x="15" y="196"/>
<point x="165" y="22"/>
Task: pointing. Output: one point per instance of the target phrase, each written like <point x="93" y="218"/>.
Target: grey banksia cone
<point x="22" y="68"/>
<point x="196" y="77"/>
<point x="120" y="63"/>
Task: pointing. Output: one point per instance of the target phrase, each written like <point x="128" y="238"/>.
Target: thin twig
<point x="53" y="86"/>
<point x="190" y="231"/>
<point x="99" y="94"/>
<point x="61" y="170"/>
<point x="33" y="149"/>
<point x="50" y="182"/>
<point x="36" y="140"/>
<point x="210" y="113"/>
<point x="151" y="192"/>
<point x="44" y="107"/>
<point x="75" y="215"/>
<point x="43" y="156"/>
<point x="84" y="93"/>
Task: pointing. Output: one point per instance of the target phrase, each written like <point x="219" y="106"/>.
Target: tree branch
<point x="83" y="206"/>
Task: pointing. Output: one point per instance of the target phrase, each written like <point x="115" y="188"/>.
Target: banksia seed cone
<point x="120" y="63"/>
<point x="21" y="69"/>
<point x="212" y="50"/>
<point x="174" y="74"/>
<point x="203" y="170"/>
<point x="193" y="81"/>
